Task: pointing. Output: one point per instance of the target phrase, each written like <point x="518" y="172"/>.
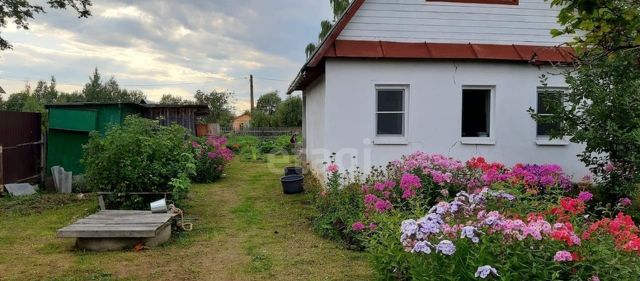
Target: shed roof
<point x="202" y="107"/>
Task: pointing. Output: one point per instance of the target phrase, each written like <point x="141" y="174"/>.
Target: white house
<point x="454" y="77"/>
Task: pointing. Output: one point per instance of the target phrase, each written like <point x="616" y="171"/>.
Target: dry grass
<point x="246" y="229"/>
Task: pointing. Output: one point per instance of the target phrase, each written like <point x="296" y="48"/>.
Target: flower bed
<point x="211" y="155"/>
<point x="429" y="217"/>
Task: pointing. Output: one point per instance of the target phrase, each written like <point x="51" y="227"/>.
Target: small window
<point x="390" y="112"/>
<point x="476" y="113"/>
<point x="548" y="99"/>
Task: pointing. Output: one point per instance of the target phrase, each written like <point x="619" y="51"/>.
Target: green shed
<point x="70" y="125"/>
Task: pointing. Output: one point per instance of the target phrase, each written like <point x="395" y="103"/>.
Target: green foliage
<point x="98" y="90"/>
<point x="173" y="100"/>
<point x="602" y="107"/>
<point x="337" y="210"/>
<point x="139" y="156"/>
<point x="339" y="7"/>
<point x="260" y="119"/>
<point x="289" y="113"/>
<point x="219" y="102"/>
<point x="21" y="11"/>
<point x="268" y="103"/>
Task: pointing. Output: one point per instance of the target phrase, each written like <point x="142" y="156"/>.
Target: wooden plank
<point x="117" y="224"/>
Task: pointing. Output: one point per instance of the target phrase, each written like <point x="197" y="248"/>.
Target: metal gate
<point x="21" y="147"/>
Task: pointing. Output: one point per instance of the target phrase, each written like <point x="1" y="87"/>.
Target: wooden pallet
<point x="118" y="224"/>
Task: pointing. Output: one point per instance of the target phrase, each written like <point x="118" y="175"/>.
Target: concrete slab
<point x="20" y="189"/>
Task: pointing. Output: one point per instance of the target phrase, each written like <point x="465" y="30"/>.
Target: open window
<point x="477" y="110"/>
<point x="390" y="111"/>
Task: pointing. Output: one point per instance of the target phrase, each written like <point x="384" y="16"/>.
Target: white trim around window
<point x="491" y="139"/>
<point x="391" y="139"/>
<point x="545" y="140"/>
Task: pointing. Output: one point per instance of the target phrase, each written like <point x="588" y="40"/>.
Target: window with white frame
<point x="390" y="110"/>
<point x="476" y="112"/>
<point x="548" y="99"/>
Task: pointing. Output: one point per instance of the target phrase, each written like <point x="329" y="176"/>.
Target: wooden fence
<point x="264" y="132"/>
<point x="21" y="147"/>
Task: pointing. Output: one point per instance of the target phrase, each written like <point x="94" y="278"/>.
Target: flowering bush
<point x="211" y="156"/>
<point x="483" y="221"/>
<point x="479" y="233"/>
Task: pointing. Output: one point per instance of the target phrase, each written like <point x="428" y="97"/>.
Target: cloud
<point x="168" y="46"/>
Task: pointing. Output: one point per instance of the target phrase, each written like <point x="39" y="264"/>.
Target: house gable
<point x="518" y="31"/>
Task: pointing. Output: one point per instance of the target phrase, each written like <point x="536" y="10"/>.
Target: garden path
<point x="246" y="229"/>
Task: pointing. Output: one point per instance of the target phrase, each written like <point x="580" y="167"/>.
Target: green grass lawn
<point x="246" y="229"/>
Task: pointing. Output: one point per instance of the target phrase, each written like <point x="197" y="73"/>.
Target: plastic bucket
<point x="289" y="171"/>
<point x="292" y="184"/>
<point x="159" y="206"/>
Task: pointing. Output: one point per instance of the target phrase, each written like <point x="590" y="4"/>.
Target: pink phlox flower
<point x="563" y="256"/>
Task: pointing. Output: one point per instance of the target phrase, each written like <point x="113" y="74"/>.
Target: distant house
<point x="241" y="122"/>
<point x="454" y="77"/>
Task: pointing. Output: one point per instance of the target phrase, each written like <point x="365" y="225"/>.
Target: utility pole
<point x="251" y="85"/>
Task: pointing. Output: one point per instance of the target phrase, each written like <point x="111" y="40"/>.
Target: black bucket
<point x="289" y="171"/>
<point x="292" y="184"/>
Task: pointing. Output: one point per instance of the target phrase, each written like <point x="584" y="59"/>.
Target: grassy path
<point x="246" y="230"/>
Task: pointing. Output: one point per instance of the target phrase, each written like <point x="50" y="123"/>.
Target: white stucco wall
<point x="340" y="112"/>
<point x="527" y="23"/>
<point x="314" y="124"/>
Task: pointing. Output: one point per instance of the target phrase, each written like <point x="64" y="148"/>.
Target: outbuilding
<point x="70" y="125"/>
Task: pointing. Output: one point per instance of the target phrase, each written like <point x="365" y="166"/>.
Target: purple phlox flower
<point x="422" y="247"/>
<point x="484" y="271"/>
<point x="594" y="278"/>
<point x="446" y="247"/>
<point x="502" y="195"/>
<point x="585" y="196"/>
<point x="470" y="232"/>
<point x="409" y="227"/>
<point x="563" y="256"/>
<point x="455" y="205"/>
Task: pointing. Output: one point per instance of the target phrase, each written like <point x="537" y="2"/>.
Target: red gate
<point x="20" y="147"/>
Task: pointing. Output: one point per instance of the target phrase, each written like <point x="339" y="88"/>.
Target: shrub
<point x="139" y="156"/>
<point x="475" y="234"/>
<point x="484" y="220"/>
<point x="211" y="157"/>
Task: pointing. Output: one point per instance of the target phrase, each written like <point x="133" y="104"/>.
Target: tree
<point x="602" y="107"/>
<point x="268" y="103"/>
<point x="109" y="91"/>
<point x="219" y="103"/>
<point x="289" y="113"/>
<point x="339" y="7"/>
<point x="21" y="11"/>
<point x="169" y="99"/>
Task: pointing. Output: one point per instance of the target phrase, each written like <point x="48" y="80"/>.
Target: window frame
<point x="491" y="139"/>
<point x="545" y="140"/>
<point x="386" y="139"/>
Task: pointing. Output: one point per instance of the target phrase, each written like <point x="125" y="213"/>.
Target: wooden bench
<point x="110" y="230"/>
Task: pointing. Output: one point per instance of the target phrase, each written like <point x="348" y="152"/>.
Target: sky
<point x="167" y="46"/>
